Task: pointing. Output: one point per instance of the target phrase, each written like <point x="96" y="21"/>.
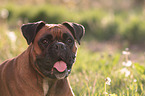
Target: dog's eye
<point x="69" y="41"/>
<point x="44" y="41"/>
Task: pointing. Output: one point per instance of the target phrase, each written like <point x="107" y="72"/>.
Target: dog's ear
<point x="30" y="30"/>
<point x="76" y="29"/>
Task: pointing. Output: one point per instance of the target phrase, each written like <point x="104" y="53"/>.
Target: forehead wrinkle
<point x="56" y="32"/>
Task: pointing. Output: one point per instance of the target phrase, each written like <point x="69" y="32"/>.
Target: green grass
<point x="90" y="70"/>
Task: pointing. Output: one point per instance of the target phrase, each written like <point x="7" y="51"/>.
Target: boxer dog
<point x="42" y="69"/>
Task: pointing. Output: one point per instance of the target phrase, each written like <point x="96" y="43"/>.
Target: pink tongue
<point x="60" y="66"/>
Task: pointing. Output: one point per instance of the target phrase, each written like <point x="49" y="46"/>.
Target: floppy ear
<point x="30" y="30"/>
<point x="76" y="29"/>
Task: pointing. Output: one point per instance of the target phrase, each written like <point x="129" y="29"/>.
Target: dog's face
<point x="56" y="51"/>
<point x="54" y="46"/>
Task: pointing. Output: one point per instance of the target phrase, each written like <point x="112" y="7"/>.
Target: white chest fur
<point x="45" y="86"/>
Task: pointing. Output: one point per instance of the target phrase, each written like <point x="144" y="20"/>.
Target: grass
<point x="91" y="70"/>
<point x="88" y="77"/>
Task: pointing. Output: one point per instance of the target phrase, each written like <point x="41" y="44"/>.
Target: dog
<point x="42" y="69"/>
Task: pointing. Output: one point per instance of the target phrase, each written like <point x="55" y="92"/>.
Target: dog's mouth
<point x="60" y="69"/>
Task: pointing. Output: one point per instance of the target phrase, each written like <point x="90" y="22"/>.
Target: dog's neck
<point x="39" y="80"/>
<point x="26" y="72"/>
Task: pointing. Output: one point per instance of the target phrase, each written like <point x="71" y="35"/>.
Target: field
<point x="92" y="70"/>
<point x="110" y="59"/>
<point x="93" y="67"/>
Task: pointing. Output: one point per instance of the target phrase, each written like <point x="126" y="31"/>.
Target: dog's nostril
<point x="56" y="46"/>
<point x="62" y="46"/>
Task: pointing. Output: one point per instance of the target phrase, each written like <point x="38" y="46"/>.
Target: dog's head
<point x="53" y="46"/>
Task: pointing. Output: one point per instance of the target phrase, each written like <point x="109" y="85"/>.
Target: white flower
<point x="125" y="71"/>
<point x="127" y="64"/>
<point x="12" y="36"/>
<point x="134" y="80"/>
<point x="108" y="80"/>
<point x="125" y="53"/>
<point x="105" y="93"/>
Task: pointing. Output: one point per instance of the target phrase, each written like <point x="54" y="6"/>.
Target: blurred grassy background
<point x="119" y="20"/>
<point x="111" y="26"/>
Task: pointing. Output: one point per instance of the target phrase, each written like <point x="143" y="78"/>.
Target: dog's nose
<point x="59" y="46"/>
